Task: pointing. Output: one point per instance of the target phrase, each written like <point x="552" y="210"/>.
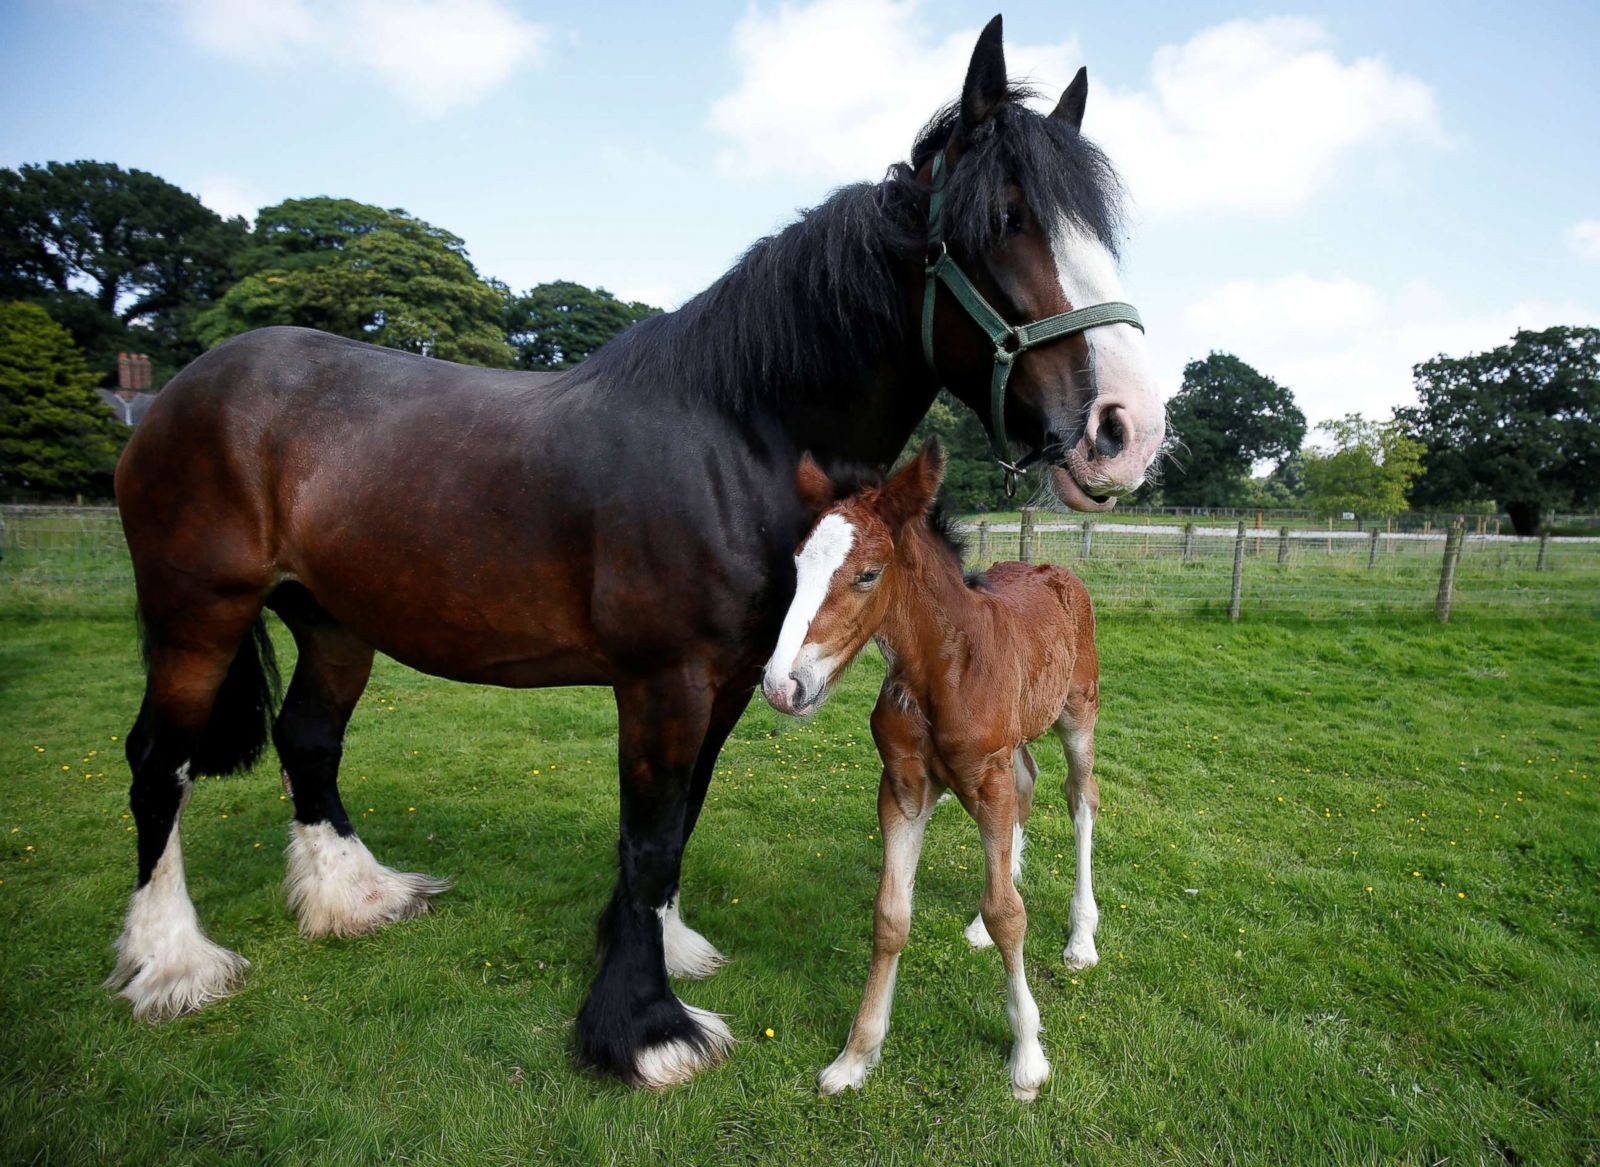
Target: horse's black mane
<point x="812" y="305"/>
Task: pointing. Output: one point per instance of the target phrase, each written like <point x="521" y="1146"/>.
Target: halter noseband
<point x="1010" y="340"/>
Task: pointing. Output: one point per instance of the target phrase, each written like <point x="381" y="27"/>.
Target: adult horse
<point x="629" y="524"/>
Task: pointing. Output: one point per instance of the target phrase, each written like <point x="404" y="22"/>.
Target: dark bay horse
<point x="630" y="523"/>
<point x="977" y="667"/>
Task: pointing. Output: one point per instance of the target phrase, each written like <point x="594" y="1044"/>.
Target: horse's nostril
<point x="799" y="690"/>
<point x="1112" y="434"/>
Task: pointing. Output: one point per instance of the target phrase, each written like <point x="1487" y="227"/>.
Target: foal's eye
<point x="869" y="577"/>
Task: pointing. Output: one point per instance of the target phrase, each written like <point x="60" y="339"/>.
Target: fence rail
<point x="61" y="558"/>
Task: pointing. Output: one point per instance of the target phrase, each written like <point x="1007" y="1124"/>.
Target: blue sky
<point x="1331" y="191"/>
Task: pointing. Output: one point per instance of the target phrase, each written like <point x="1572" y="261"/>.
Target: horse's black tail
<point x="244" y="708"/>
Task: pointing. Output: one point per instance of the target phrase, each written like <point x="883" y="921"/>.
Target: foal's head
<point x="846" y="572"/>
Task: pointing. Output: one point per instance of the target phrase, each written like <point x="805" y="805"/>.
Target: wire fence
<point x="60" y="559"/>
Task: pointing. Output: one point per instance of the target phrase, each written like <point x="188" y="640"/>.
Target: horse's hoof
<point x="1080" y="955"/>
<point x="672" y="1063"/>
<point x="843" y="1073"/>
<point x="339" y="889"/>
<point x="1029" y="1071"/>
<point x="977" y="934"/>
<point x="179" y="974"/>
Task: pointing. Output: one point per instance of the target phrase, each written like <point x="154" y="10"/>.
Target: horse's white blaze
<point x="674" y="1062"/>
<point x="688" y="953"/>
<point x="816" y="563"/>
<point x="1083" y="917"/>
<point x="165" y="964"/>
<point x="337" y="887"/>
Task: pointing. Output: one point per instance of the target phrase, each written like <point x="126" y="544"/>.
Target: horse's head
<point x="1029" y="216"/>
<point x="846" y="571"/>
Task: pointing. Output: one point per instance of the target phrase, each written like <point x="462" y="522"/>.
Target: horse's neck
<point x="868" y="420"/>
<point x="931" y="607"/>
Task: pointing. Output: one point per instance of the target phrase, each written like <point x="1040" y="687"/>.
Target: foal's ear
<point x="985" y="90"/>
<point x="910" y="493"/>
<point x="815" y="488"/>
<point x="1070" y="108"/>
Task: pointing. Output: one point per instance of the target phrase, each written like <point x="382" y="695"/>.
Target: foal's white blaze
<point x="816" y="563"/>
<point x="337" y="887"/>
<point x="688" y="953"/>
<point x="165" y="964"/>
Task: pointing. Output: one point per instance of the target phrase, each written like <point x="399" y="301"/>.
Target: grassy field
<point x="1390" y="952"/>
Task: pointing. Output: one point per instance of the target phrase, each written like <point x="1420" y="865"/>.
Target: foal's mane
<point x="813" y="305"/>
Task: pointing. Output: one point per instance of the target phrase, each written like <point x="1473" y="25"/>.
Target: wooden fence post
<point x="1372" y="551"/>
<point x="1238" y="572"/>
<point x="1330" y="534"/>
<point x="1447" y="574"/>
<point x="1188" y="542"/>
<point x="1088" y="538"/>
<point x="983" y="543"/>
<point x="1283" y="545"/>
<point x="1025" y="539"/>
<point x="1544" y="545"/>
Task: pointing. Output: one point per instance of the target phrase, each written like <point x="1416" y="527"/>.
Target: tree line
<point x="97" y="260"/>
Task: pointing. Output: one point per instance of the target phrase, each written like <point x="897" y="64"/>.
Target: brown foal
<point x="976" y="670"/>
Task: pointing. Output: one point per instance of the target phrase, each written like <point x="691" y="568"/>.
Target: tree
<point x="366" y="273"/>
<point x="123" y="259"/>
<point x="1519" y="424"/>
<point x="1227" y="416"/>
<point x="557" y="325"/>
<point x="56" y="436"/>
<point x="1372" y="466"/>
<point x="972" y="481"/>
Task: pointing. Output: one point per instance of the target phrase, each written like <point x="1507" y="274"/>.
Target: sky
<point x="1333" y="192"/>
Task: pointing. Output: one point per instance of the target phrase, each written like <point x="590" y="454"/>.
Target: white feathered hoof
<point x="338" y="888"/>
<point x="845" y="1072"/>
<point x="689" y="955"/>
<point x="166" y="966"/>
<point x="1029" y="1071"/>
<point x="672" y="1063"/>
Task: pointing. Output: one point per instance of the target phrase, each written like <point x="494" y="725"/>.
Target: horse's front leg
<point x="632" y="1025"/>
<point x="993" y="805"/>
<point x="905" y="801"/>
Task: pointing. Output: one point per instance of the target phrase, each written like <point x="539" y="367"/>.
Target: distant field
<point x="1347" y="874"/>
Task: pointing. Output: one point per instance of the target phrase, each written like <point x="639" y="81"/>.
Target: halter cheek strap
<point x="1010" y="340"/>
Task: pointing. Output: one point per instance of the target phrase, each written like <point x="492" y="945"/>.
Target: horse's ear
<point x="815" y="488"/>
<point x="985" y="90"/>
<point x="1070" y="108"/>
<point x="910" y="493"/>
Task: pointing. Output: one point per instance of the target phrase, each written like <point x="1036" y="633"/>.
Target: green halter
<point x="1009" y="340"/>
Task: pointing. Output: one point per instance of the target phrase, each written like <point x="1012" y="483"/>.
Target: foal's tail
<point x="244" y="707"/>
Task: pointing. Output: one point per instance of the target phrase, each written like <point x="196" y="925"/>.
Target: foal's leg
<point x="1007" y="921"/>
<point x="690" y="954"/>
<point x="904" y="805"/>
<point x="166" y="965"/>
<point x="1027" y="775"/>
<point x="332" y="880"/>
<point x="1076" y="730"/>
<point x="631" y="1025"/>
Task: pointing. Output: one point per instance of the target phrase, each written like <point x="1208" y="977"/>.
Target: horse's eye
<point x="1012" y="223"/>
<point x="869" y="577"/>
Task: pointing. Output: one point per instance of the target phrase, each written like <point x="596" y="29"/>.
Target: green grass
<point x="1313" y="1001"/>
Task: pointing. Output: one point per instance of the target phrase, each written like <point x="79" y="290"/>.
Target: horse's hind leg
<point x="209" y="672"/>
<point x="333" y="882"/>
<point x="1076" y="730"/>
<point x="1026" y="771"/>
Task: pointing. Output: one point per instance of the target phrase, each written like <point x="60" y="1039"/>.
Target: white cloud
<point x="1344" y="346"/>
<point x="1584" y="239"/>
<point x="435" y="55"/>
<point x="229" y="196"/>
<point x="1248" y="116"/>
<point x="836" y="90"/>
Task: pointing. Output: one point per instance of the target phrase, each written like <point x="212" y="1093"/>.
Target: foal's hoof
<point x="977" y="933"/>
<point x="339" y="889"/>
<point x="1080" y="954"/>
<point x="672" y="1063"/>
<point x="844" y="1073"/>
<point x="1029" y="1071"/>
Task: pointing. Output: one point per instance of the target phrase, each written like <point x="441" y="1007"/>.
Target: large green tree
<point x="1368" y="472"/>
<point x="557" y="325"/>
<point x="367" y="273"/>
<point x="972" y="481"/>
<point x="1226" y="417"/>
<point x="1519" y="424"/>
<point x="122" y="258"/>
<point x="56" y="436"/>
